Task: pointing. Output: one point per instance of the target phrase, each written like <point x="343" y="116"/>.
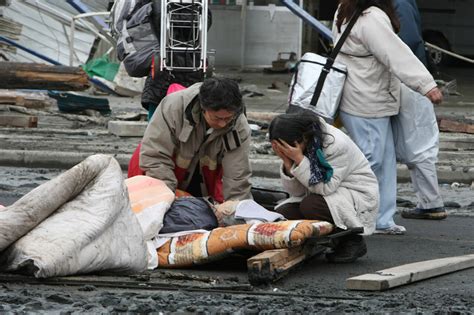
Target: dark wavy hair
<point x="220" y="93"/>
<point x="348" y="7"/>
<point x="296" y="128"/>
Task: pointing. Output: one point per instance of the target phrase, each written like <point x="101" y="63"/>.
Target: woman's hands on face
<point x="287" y="162"/>
<point x="288" y="152"/>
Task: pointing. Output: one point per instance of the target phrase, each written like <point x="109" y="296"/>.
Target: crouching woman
<point x="327" y="177"/>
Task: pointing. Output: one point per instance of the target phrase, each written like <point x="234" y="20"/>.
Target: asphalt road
<point x="314" y="288"/>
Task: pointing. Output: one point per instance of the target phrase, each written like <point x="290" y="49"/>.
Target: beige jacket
<point x="175" y="143"/>
<point x="352" y="194"/>
<point x="377" y="60"/>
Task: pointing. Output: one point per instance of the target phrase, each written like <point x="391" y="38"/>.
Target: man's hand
<point x="435" y="96"/>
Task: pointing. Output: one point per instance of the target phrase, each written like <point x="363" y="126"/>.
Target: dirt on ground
<point x="223" y="287"/>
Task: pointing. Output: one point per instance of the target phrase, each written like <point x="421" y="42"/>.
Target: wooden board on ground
<point x="16" y="75"/>
<point x="455" y="126"/>
<point x="272" y="265"/>
<point x="405" y="274"/>
<point x="35" y="100"/>
<point x="19" y="121"/>
<point x="12" y="99"/>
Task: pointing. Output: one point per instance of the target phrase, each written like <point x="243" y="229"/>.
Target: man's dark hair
<point x="220" y="93"/>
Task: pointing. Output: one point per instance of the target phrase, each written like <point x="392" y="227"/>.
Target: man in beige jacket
<point x="198" y="141"/>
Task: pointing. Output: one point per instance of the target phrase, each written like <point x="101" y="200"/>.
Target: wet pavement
<point x="315" y="287"/>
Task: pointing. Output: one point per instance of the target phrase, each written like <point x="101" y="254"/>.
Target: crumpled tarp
<point x="79" y="222"/>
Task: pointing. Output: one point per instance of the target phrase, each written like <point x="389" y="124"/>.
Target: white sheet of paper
<point x="250" y="210"/>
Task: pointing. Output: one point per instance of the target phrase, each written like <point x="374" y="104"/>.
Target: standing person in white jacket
<point x="377" y="60"/>
<point x="423" y="174"/>
<point x="327" y="177"/>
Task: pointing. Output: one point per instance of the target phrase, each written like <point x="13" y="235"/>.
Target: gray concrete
<point x="127" y="128"/>
<point x="62" y="148"/>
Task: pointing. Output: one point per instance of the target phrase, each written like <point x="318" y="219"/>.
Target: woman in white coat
<point x="377" y="60"/>
<point x="327" y="177"/>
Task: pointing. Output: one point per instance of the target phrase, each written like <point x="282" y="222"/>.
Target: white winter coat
<point x="352" y="193"/>
<point x="376" y="60"/>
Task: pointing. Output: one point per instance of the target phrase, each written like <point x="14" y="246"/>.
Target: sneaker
<point x="393" y="230"/>
<point x="427" y="214"/>
<point x="348" y="250"/>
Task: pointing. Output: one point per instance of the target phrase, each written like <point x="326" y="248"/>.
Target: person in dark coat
<point x="410" y="28"/>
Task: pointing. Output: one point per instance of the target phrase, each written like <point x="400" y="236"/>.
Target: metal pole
<point x="243" y="34"/>
<point x="447" y="52"/>
<point x="308" y="18"/>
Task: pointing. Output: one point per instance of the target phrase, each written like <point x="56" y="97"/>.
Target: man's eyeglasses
<point x="215" y="118"/>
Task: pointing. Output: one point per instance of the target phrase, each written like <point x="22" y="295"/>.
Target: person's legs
<point x="348" y="248"/>
<point x="375" y="139"/>
<point x="425" y="184"/>
<point x="290" y="211"/>
<point x="314" y="207"/>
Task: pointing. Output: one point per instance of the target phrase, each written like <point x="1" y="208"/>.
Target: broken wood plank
<point x="405" y="274"/>
<point x="272" y="265"/>
<point x="34" y="100"/>
<point x="16" y="75"/>
<point x="12" y="99"/>
<point x="455" y="126"/>
<point x="19" y="121"/>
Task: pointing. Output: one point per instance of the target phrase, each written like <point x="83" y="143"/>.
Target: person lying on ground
<point x="327" y="177"/>
<point x="198" y="141"/>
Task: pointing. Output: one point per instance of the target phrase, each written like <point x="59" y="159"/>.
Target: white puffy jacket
<point x="377" y="60"/>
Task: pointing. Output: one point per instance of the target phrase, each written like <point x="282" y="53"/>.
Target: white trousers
<point x="374" y="137"/>
<point x="425" y="184"/>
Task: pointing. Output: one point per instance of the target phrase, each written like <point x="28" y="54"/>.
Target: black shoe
<point x="348" y="250"/>
<point x="425" y="214"/>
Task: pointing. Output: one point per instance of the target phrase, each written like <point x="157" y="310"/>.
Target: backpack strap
<point x="330" y="60"/>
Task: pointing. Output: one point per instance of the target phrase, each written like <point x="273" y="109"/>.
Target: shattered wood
<point x="15" y="75"/>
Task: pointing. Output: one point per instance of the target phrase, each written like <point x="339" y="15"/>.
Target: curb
<point x="261" y="167"/>
<point x="51" y="159"/>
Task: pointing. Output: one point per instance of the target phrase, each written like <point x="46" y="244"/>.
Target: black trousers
<point x="312" y="207"/>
